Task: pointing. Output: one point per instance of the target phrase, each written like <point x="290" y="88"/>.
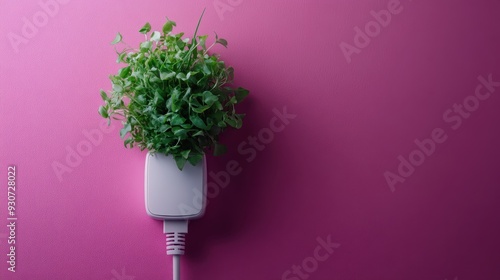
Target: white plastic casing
<point x="171" y="193"/>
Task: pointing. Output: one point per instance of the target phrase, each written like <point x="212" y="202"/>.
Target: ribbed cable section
<point x="175" y="243"/>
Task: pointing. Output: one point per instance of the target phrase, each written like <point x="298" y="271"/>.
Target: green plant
<point x="173" y="96"/>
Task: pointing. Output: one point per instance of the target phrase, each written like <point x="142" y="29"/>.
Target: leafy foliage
<point x="173" y="97"/>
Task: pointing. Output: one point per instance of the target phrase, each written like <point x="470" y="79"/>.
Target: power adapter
<point x="169" y="195"/>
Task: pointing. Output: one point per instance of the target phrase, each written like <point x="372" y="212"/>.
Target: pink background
<point x="323" y="175"/>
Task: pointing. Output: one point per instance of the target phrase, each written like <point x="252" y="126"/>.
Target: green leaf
<point x="117" y="88"/>
<point x="175" y="105"/>
<point x="155" y="36"/>
<point x="205" y="69"/>
<point x="124" y="72"/>
<point x="162" y="119"/>
<point x="104" y="96"/>
<point x="219" y="149"/>
<point x="199" y="133"/>
<point x="203" y="40"/>
<point x="180" y="161"/>
<point x="219" y="105"/>
<point x="103" y="112"/>
<point x="186" y="95"/>
<point x="141" y="99"/>
<point x="121" y="57"/>
<point x="146" y="28"/>
<point x="240" y="94"/>
<point x="164" y="128"/>
<point x="198" y="122"/>
<point x="230" y="74"/>
<point x="194" y="159"/>
<point x="230" y="122"/>
<point x="177" y="120"/>
<point x="239" y="123"/>
<point x="179" y="132"/>
<point x="129" y="142"/>
<point x="126" y="129"/>
<point x="117" y="39"/>
<point x="181" y="76"/>
<point x="222" y="42"/>
<point x="154" y="79"/>
<point x="175" y="101"/>
<point x="190" y="74"/>
<point x="185" y="154"/>
<point x="233" y="121"/>
<point x="201" y="109"/>
<point x="168" y="26"/>
<point x="209" y="98"/>
<point x="146" y="46"/>
<point x="166" y="75"/>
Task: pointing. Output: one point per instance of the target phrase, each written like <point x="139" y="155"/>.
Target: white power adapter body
<point x="172" y="194"/>
<point x="175" y="197"/>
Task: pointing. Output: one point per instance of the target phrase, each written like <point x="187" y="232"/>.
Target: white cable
<point x="175" y="230"/>
<point x="177" y="267"/>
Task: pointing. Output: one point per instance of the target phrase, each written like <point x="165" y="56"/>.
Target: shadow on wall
<point x="232" y="188"/>
<point x="229" y="192"/>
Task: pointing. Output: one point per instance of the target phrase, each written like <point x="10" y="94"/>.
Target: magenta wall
<point x="385" y="165"/>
